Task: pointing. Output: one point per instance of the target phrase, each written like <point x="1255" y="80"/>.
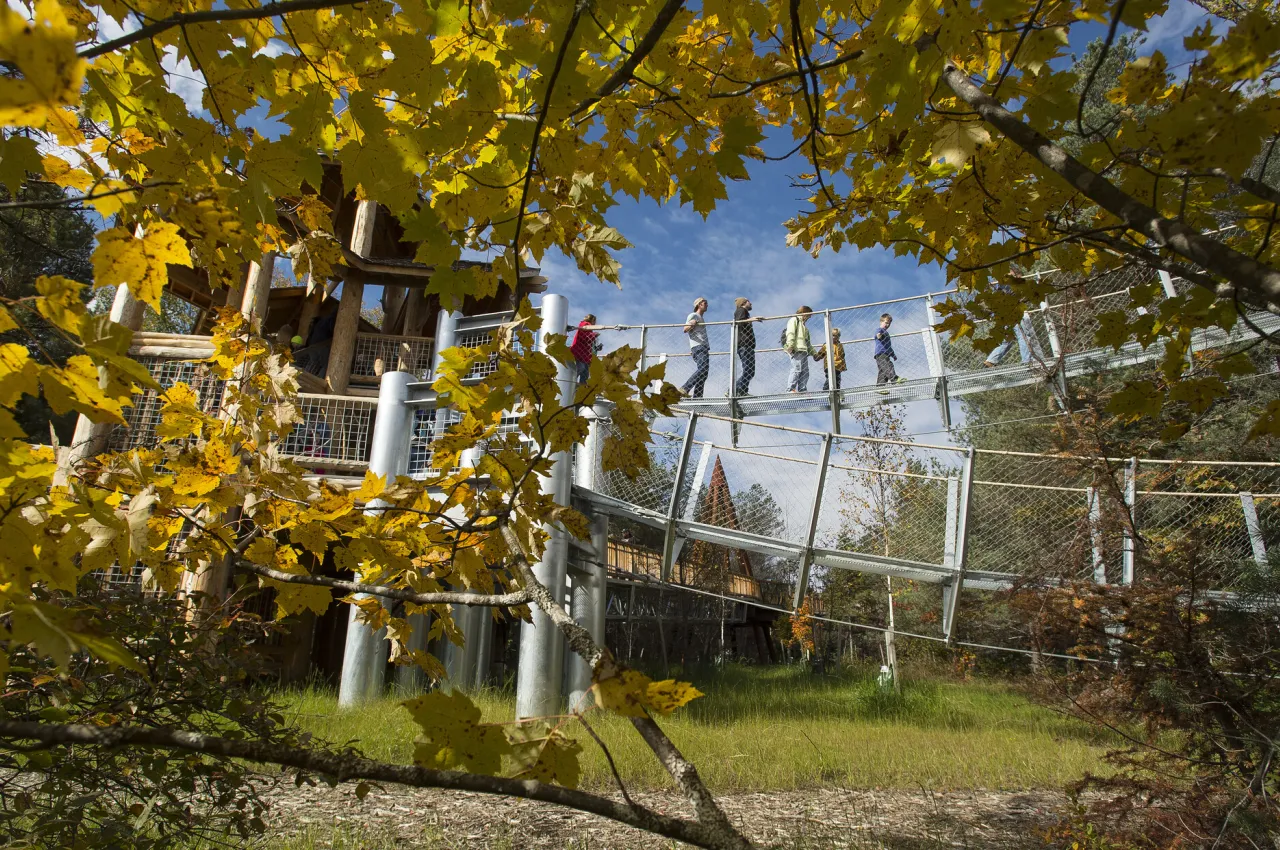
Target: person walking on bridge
<point x="699" y="349"/>
<point x="795" y="341"/>
<point x="746" y="344"/>
<point x="586" y="344"/>
<point x="884" y="354"/>
<point x="837" y="359"/>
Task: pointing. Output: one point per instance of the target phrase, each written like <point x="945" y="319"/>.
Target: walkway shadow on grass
<point x="740" y="692"/>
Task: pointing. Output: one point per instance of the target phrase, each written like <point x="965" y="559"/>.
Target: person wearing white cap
<point x="699" y="349"/>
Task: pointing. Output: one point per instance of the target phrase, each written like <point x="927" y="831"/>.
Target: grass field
<point x="783" y="728"/>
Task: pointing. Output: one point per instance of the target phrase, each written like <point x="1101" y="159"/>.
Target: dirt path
<point x="902" y="820"/>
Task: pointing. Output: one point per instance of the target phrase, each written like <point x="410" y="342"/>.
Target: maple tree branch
<point x="597" y="657"/>
<point x="345" y="767"/>
<point x="788" y="75"/>
<point x="642" y="49"/>
<point x="499" y="600"/>
<point x="578" y="7"/>
<point x="1022" y="36"/>
<point x="1260" y="281"/>
<point x="68" y="200"/>
<point x="270" y="10"/>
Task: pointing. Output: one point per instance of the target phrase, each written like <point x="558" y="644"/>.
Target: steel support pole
<point x="673" y="506"/>
<point x="937" y="366"/>
<point x="1251" y="524"/>
<point x="540" y="676"/>
<point x="1128" y="566"/>
<point x="1095" y="535"/>
<point x="644" y="353"/>
<point x="364" y="658"/>
<point x="815" y="512"/>
<point x="962" y="542"/>
<point x="589" y="600"/>
<point x="1055" y="346"/>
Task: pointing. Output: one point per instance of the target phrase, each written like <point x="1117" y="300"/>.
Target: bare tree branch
<point x="346" y="767"/>
<point x="500" y="600"/>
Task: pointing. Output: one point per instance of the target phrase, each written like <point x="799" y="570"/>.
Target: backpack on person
<point x="782" y="340"/>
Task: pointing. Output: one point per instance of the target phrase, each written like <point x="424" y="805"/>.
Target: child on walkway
<point x="837" y="359"/>
<point x="885" y="373"/>
<point x="699" y="349"/>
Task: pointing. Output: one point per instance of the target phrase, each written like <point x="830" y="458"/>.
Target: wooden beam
<point x="257" y="291"/>
<point x="343" y="348"/>
<point x="89" y="437"/>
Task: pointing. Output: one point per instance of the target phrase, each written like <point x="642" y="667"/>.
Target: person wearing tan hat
<point x="699" y="349"/>
<point x="746" y="344"/>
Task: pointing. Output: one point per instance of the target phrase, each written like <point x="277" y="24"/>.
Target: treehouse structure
<point x="372" y="316"/>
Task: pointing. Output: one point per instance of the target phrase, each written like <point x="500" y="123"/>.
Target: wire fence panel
<point x="764" y="486"/>
<point x="332" y="431"/>
<point x="397" y="353"/>
<point x="1041" y="516"/>
<point x="889" y="499"/>
<point x="651" y="489"/>
<point x="144" y="415"/>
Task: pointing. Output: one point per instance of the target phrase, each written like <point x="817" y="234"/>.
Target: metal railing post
<point x="937" y="366"/>
<point x="644" y="352"/>
<point x="1256" y="542"/>
<point x="834" y="398"/>
<point x="364" y="658"/>
<point x="673" y="506"/>
<point x="1055" y="346"/>
<point x="1094" y="497"/>
<point x="949" y="554"/>
<point x="962" y="542"/>
<point x="1128" y="567"/>
<point x="815" y="511"/>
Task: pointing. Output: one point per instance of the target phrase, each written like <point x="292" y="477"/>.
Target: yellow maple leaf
<point x="630" y="693"/>
<point x="140" y="263"/>
<point x="296" y="598"/>
<point x="44" y="51"/>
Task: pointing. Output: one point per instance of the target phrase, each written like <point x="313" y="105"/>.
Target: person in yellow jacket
<point x="837" y="358"/>
<point x="795" y="341"/>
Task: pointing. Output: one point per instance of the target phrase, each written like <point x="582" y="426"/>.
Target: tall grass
<point x="765" y="729"/>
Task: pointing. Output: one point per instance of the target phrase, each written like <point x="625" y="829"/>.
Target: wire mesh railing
<point x="947" y="514"/>
<point x="333" y="432"/>
<point x="400" y="353"/>
<point x="743" y="359"/>
<point x="144" y="415"/>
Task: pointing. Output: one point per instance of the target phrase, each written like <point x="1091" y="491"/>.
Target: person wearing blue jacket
<point x="885" y="373"/>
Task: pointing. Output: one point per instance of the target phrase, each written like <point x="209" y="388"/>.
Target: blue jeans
<point x="701" y="366"/>
<point x="799" y="380"/>
<point x="747" y="357"/>
<point x="1027" y="343"/>
<point x="584" y="370"/>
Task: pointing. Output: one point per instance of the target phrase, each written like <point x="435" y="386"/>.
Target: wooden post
<point x="342" y="350"/>
<point x="415" y="312"/>
<point x="257" y="292"/>
<point x="393" y="301"/>
<point x="362" y="228"/>
<point x="90" y="438"/>
<point x="310" y="308"/>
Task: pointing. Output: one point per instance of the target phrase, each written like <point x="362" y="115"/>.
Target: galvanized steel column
<point x="541" y="672"/>
<point x="591" y="584"/>
<point x="364" y="660"/>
